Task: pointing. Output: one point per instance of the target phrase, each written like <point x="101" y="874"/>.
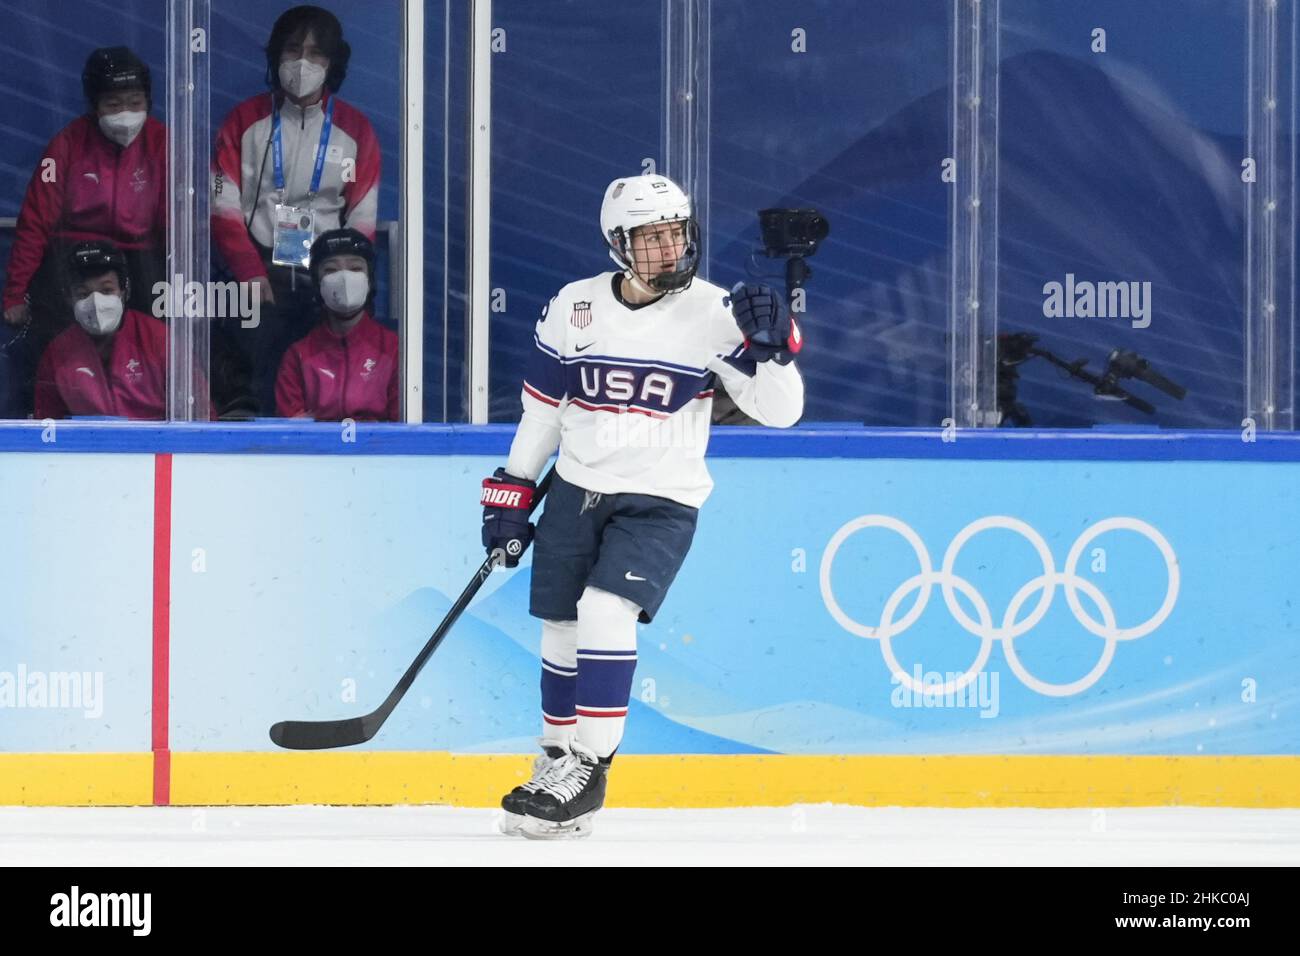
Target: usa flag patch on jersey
<point x="581" y="317"/>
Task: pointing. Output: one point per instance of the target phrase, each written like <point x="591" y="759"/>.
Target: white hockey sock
<point x="559" y="681"/>
<point x="606" y="662"/>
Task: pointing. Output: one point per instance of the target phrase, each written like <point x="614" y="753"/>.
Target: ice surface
<point x="821" y="834"/>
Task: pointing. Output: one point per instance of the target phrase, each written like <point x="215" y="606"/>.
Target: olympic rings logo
<point x="1011" y="627"/>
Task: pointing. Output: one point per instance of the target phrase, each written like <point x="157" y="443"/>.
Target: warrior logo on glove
<point x="506" y="502"/>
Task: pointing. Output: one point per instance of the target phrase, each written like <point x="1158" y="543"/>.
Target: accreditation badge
<point x="295" y="227"/>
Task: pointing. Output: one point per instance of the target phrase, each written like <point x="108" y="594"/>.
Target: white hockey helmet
<point x="633" y="201"/>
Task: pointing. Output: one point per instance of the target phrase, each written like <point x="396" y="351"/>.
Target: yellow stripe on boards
<point x="76" y="780"/>
<point x="479" y="780"/>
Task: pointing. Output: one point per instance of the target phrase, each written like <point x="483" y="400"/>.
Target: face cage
<point x="666" y="282"/>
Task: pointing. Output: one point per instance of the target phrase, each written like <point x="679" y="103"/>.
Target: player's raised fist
<point x="506" y="501"/>
<point x="766" y="323"/>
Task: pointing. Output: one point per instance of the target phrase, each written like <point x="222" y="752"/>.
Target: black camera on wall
<point x="792" y="232"/>
<point x="792" y="235"/>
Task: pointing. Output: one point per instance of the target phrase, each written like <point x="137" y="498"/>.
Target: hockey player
<point x="621" y="380"/>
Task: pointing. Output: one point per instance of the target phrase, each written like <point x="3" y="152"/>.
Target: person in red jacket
<point x="113" y="360"/>
<point x="347" y="366"/>
<point x="102" y="177"/>
<point x="290" y="165"/>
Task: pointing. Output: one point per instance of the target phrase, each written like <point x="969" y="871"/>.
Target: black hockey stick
<point x="327" y="734"/>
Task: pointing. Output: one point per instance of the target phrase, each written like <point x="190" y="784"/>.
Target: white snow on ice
<point x="820" y="834"/>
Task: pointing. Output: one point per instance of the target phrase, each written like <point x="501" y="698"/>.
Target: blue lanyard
<point x="277" y="148"/>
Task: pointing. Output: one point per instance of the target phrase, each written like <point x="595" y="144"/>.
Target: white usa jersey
<point x="627" y="391"/>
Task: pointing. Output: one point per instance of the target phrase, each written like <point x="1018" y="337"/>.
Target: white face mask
<point x="344" y="292"/>
<point x="123" y="127"/>
<point x="98" y="314"/>
<point x="301" y="77"/>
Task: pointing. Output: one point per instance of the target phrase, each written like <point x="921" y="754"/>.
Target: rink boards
<point x="867" y="617"/>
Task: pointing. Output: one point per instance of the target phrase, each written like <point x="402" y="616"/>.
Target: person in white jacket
<point x="622" y="381"/>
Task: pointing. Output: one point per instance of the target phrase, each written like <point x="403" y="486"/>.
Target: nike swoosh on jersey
<point x="633" y="577"/>
<point x="579" y="348"/>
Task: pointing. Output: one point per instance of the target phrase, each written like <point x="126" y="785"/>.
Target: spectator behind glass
<point x="102" y="177"/>
<point x="347" y="366"/>
<point x="113" y="360"/>
<point x="327" y="177"/>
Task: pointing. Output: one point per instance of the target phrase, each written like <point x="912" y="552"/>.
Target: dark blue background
<point x="1117" y="166"/>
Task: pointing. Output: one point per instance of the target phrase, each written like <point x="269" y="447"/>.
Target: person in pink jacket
<point x="113" y="360"/>
<point x="347" y="366"/>
<point x="102" y="177"/>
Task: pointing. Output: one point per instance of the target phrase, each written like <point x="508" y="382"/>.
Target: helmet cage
<point x="680" y="278"/>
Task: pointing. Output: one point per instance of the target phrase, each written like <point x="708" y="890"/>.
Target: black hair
<point x="297" y="22"/>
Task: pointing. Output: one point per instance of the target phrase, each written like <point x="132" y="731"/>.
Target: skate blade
<point x="510" y="823"/>
<point x="576" y="829"/>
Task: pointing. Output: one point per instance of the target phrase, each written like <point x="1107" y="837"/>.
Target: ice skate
<point x="513" y="802"/>
<point x="563" y="806"/>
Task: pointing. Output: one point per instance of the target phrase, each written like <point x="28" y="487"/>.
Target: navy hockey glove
<point x="506" y="501"/>
<point x="769" y="329"/>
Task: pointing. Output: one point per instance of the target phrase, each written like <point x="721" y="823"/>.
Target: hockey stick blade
<point x="322" y="734"/>
<point x="328" y="734"/>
